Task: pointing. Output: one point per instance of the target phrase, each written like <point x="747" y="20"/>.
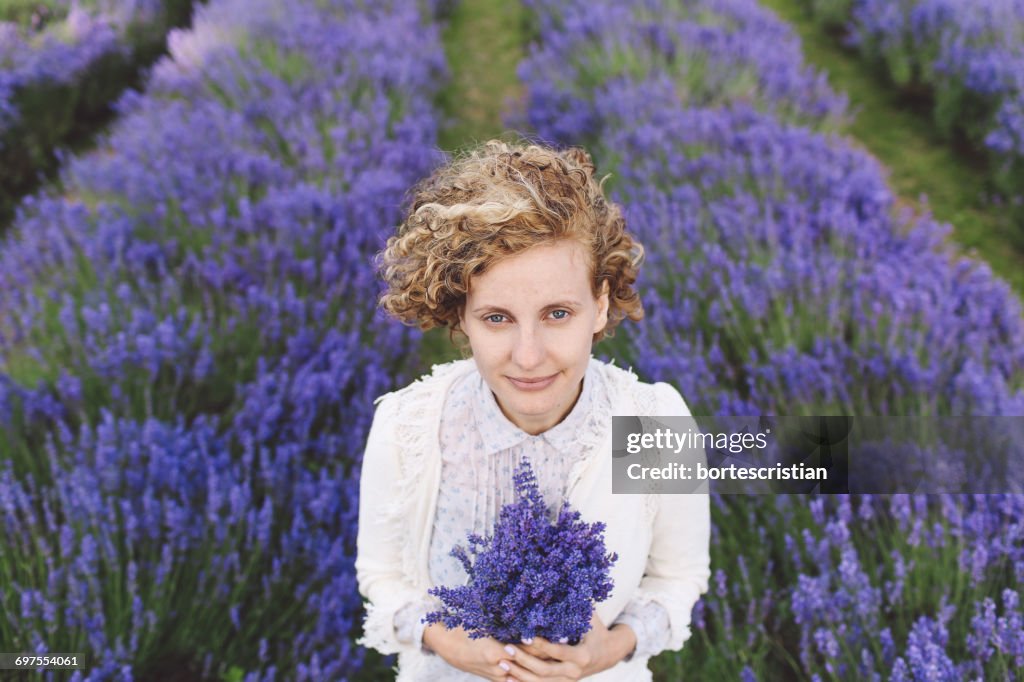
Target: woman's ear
<point x="602" y="308"/>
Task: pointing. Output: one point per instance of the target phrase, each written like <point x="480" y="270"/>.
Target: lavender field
<point x="189" y="346"/>
<point x="968" y="55"/>
<point x="62" y="63"/>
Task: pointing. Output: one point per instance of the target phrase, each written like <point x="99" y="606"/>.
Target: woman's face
<point x="530" y="319"/>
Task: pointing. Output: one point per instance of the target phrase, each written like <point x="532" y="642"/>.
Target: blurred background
<point x="830" y="192"/>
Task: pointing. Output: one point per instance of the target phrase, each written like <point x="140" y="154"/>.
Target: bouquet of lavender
<point x="531" y="576"/>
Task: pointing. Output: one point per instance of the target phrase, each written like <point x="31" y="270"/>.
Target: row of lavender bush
<point x="969" y="54"/>
<point x="62" y="63"/>
<point x="782" y="279"/>
<point x="189" y="350"/>
<point x="825" y="297"/>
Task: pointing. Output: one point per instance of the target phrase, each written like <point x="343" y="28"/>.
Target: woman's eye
<point x="560" y="314"/>
<point x="495" y="318"/>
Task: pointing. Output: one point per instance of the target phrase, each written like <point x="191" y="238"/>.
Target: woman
<point x="515" y="250"/>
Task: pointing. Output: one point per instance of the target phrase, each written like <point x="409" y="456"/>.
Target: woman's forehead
<point x="548" y="256"/>
<point x="558" y="268"/>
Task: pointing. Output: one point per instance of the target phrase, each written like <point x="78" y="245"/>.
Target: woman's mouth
<point x="529" y="384"/>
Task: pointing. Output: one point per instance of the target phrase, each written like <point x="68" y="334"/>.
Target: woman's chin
<point x="530" y="409"/>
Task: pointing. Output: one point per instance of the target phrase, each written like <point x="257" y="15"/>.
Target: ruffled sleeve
<point x="650" y="623"/>
<point x="409" y="622"/>
<point x="379" y="558"/>
<point x="679" y="564"/>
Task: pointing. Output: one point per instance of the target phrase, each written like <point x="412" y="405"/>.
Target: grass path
<point x="900" y="132"/>
<point x="484" y="41"/>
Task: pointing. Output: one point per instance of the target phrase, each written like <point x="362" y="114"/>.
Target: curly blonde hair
<point x="496" y="201"/>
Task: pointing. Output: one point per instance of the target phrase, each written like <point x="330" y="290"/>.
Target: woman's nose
<point x="529" y="350"/>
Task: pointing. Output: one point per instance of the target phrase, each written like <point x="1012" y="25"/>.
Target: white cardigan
<point x="662" y="541"/>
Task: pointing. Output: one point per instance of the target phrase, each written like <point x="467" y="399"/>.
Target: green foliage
<point x="31" y="14"/>
<point x="831" y="14"/>
<point x="291" y="66"/>
<point x="901" y="70"/>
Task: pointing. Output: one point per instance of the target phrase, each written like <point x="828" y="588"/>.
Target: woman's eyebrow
<point x="490" y="308"/>
<point x="568" y="303"/>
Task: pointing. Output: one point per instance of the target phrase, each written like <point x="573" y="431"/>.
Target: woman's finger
<point x="547" y="650"/>
<point x="544" y="648"/>
<point x="519" y="674"/>
<point x="536" y="648"/>
<point x="536" y="666"/>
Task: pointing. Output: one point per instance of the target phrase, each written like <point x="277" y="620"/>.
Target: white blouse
<point x="480" y="450"/>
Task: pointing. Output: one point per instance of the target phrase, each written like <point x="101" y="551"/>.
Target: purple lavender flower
<point x="530" y="577"/>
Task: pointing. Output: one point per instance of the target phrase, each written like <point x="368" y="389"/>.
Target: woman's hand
<point x="599" y="650"/>
<point x="483" y="657"/>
